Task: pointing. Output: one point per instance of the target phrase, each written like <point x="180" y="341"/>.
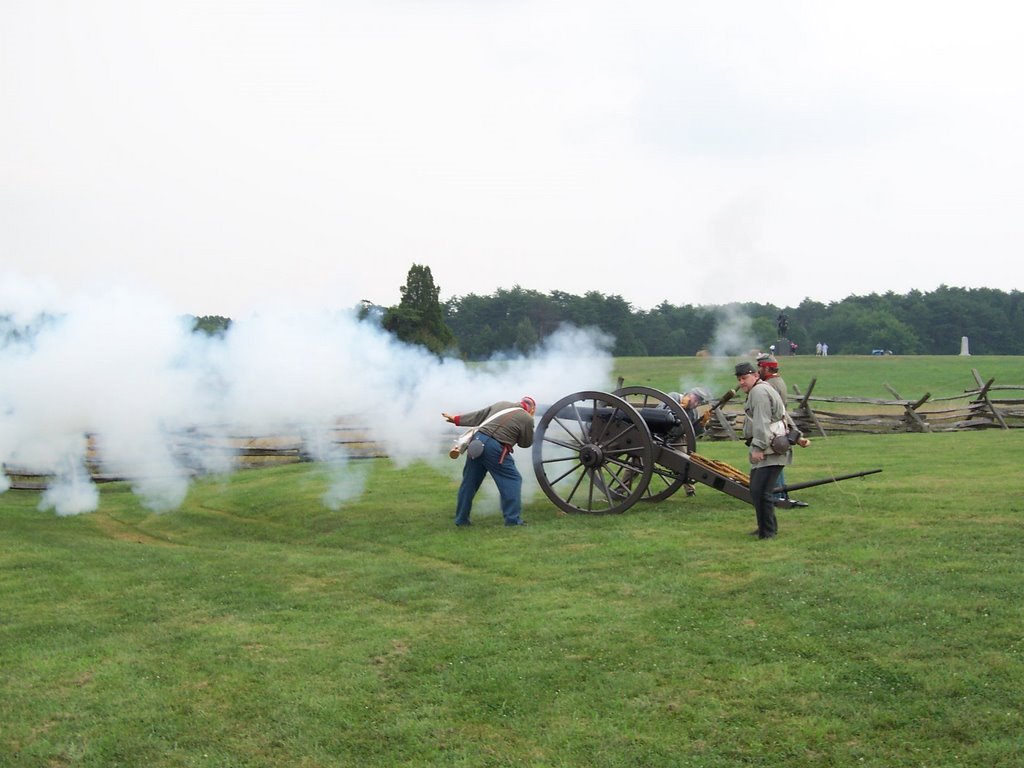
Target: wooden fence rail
<point x="976" y="408"/>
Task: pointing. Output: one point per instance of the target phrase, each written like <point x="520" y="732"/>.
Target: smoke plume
<point x="125" y="369"/>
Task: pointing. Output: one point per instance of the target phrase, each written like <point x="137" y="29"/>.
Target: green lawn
<point x="255" y="627"/>
<point x="847" y="375"/>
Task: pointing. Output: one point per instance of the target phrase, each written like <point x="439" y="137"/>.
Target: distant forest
<point x="913" y="324"/>
<point x="516" y="321"/>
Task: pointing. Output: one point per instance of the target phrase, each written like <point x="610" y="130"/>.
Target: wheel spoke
<point x="570" y="433"/>
<point x="579" y="482"/>
<point x="562" y="444"/>
<point x="564" y="475"/>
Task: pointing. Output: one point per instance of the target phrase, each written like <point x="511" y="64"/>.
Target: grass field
<point x="254" y="627"/>
<point x="847" y="375"/>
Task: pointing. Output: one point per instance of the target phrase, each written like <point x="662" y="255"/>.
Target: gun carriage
<point x="599" y="453"/>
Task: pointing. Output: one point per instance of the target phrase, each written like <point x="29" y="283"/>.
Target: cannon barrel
<point x="825" y="481"/>
<point x="658" y="420"/>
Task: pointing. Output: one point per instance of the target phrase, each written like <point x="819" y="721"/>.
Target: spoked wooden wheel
<point x="681" y="437"/>
<point x="593" y="454"/>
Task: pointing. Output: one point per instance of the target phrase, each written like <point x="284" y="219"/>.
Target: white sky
<point x="231" y="155"/>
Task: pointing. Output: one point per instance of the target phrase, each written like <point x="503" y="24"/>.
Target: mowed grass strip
<point x="836" y="375"/>
<point x="256" y="627"/>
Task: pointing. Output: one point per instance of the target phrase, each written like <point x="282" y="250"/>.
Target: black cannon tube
<point x="824" y="481"/>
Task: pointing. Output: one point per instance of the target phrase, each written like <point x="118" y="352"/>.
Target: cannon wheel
<point x="664" y="482"/>
<point x="593" y="466"/>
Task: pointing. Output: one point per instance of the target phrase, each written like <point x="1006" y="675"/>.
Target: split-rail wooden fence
<point x="984" y="406"/>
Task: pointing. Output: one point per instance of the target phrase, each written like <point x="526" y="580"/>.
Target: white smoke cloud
<point x="121" y="367"/>
<point x="73" y="492"/>
<point x="734" y="333"/>
<point x="734" y="336"/>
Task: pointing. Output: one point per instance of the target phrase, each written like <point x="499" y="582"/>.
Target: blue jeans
<point x="781" y="482"/>
<point x="506" y="477"/>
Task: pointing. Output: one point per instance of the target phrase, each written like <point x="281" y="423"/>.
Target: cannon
<point x="599" y="453"/>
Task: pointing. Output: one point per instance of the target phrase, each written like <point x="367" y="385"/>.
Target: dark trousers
<point x="506" y="477"/>
<point x="763" y="481"/>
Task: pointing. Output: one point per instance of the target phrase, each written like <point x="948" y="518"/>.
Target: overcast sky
<point x="235" y="155"/>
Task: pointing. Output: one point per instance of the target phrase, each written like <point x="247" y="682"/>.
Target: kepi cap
<point x="742" y="369"/>
<point x="702" y="395"/>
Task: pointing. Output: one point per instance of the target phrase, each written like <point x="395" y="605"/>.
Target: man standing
<point x="498" y="437"/>
<point x="763" y="407"/>
<point x="768" y="371"/>
<point x="691" y="401"/>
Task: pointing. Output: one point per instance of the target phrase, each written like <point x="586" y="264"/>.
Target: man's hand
<point x="449" y="418"/>
<point x="756" y="456"/>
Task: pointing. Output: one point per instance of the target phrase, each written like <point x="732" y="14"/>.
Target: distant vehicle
<point x="881" y="351"/>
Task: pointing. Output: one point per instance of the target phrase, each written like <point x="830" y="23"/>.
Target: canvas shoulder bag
<point x="463" y="441"/>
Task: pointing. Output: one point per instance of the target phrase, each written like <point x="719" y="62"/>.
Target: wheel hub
<point x="592" y="456"/>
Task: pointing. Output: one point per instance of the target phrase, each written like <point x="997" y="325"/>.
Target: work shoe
<point x="518" y="522"/>
<point x="800" y="504"/>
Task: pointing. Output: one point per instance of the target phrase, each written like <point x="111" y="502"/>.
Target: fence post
<point x="804" y="410"/>
<point x="983" y="397"/>
<point x="912" y="416"/>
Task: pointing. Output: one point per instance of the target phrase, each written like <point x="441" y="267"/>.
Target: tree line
<point x="516" y="320"/>
<point x="916" y="323"/>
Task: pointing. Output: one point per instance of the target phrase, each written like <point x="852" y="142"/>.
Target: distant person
<point x="817" y="349"/>
<point x="792" y="347"/>
<point x="691" y="401"/>
<point x="768" y="371"/>
<point x="498" y="437"/>
<point x="763" y="407"/>
<point x="824" y="350"/>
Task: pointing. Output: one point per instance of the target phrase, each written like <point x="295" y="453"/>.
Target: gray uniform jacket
<point x="511" y="429"/>
<point x="763" y="407"/>
<point x="779" y="386"/>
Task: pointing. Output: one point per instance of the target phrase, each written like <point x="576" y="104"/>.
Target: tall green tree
<point x="419" y="317"/>
<point x="526" y="336"/>
<point x="858" y="328"/>
<point x="211" y="325"/>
